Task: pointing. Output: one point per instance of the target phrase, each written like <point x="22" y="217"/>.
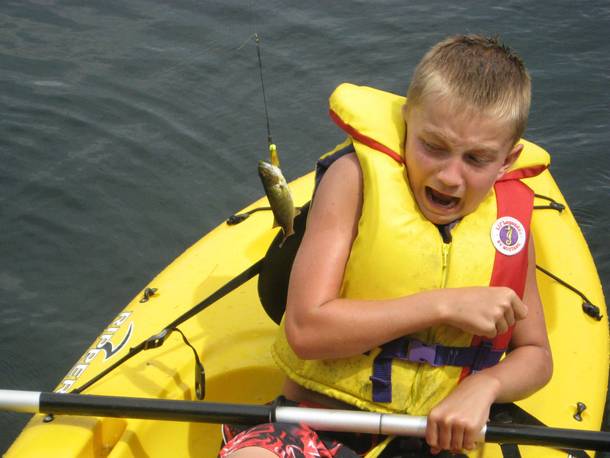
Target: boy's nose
<point x="450" y="174"/>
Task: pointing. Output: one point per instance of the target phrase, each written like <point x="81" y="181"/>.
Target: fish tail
<point x="286" y="235"/>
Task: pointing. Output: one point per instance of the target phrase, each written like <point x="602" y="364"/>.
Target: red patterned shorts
<point x="299" y="441"/>
<point x="285" y="440"/>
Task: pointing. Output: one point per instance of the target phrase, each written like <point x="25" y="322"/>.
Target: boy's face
<point x="454" y="157"/>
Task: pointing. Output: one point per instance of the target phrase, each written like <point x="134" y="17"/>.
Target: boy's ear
<point x="510" y="159"/>
<point x="405" y="111"/>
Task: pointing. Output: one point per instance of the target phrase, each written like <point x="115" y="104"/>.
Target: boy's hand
<point x="484" y="311"/>
<point x="456" y="422"/>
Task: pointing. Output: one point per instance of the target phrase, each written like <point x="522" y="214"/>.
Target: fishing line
<point x="260" y="71"/>
<point x="246" y="41"/>
<point x="217" y="49"/>
<point x="273" y="154"/>
<point x="257" y="40"/>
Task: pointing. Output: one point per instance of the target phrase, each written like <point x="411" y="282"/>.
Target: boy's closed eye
<point x="476" y="159"/>
<point x="433" y="147"/>
<point x="479" y="160"/>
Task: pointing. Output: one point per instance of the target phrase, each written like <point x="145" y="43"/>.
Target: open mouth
<point x="442" y="200"/>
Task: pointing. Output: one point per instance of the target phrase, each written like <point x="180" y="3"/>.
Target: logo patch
<point x="103" y="344"/>
<point x="110" y="349"/>
<point x="508" y="235"/>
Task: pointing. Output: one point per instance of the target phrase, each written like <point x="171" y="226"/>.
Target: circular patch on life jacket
<point x="508" y="235"/>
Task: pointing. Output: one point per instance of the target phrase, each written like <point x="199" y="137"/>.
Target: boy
<point x="399" y="299"/>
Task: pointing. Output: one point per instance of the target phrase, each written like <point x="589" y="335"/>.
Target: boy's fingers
<point x="520" y="310"/>
<point x="509" y="316"/>
<point x="444" y="436"/>
<point x="470" y="438"/>
<point x="457" y="436"/>
<point x="501" y="326"/>
<point x="432" y="434"/>
<point x="491" y="331"/>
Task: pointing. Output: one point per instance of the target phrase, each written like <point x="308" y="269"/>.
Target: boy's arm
<point x="454" y="423"/>
<point x="320" y="325"/>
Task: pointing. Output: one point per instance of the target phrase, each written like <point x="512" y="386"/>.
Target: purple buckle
<point x="418" y="352"/>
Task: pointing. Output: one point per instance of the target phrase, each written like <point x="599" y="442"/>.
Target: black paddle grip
<point x="159" y="409"/>
<point x="541" y="435"/>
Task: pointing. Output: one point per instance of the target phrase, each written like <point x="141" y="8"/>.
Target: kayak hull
<point x="234" y="335"/>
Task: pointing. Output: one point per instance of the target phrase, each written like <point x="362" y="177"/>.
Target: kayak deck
<point x="234" y="335"/>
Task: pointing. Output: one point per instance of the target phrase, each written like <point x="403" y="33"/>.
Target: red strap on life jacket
<point x="515" y="199"/>
<point x="364" y="139"/>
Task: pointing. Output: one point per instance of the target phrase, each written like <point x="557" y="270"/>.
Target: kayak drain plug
<point x="148" y="293"/>
<point x="580" y="408"/>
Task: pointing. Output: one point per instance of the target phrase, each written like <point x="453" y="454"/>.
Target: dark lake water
<point x="128" y="129"/>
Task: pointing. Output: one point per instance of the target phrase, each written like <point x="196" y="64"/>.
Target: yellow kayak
<point x="232" y="338"/>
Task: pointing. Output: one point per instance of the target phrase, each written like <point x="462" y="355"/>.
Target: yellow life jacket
<point x="398" y="252"/>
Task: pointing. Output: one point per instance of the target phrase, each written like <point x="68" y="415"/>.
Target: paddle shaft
<point x="320" y="419"/>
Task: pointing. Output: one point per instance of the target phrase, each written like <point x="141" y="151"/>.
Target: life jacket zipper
<point x="445" y="266"/>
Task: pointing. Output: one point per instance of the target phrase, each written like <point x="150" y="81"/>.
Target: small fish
<point x="279" y="196"/>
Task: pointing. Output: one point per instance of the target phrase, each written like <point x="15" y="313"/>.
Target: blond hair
<point x="475" y="72"/>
